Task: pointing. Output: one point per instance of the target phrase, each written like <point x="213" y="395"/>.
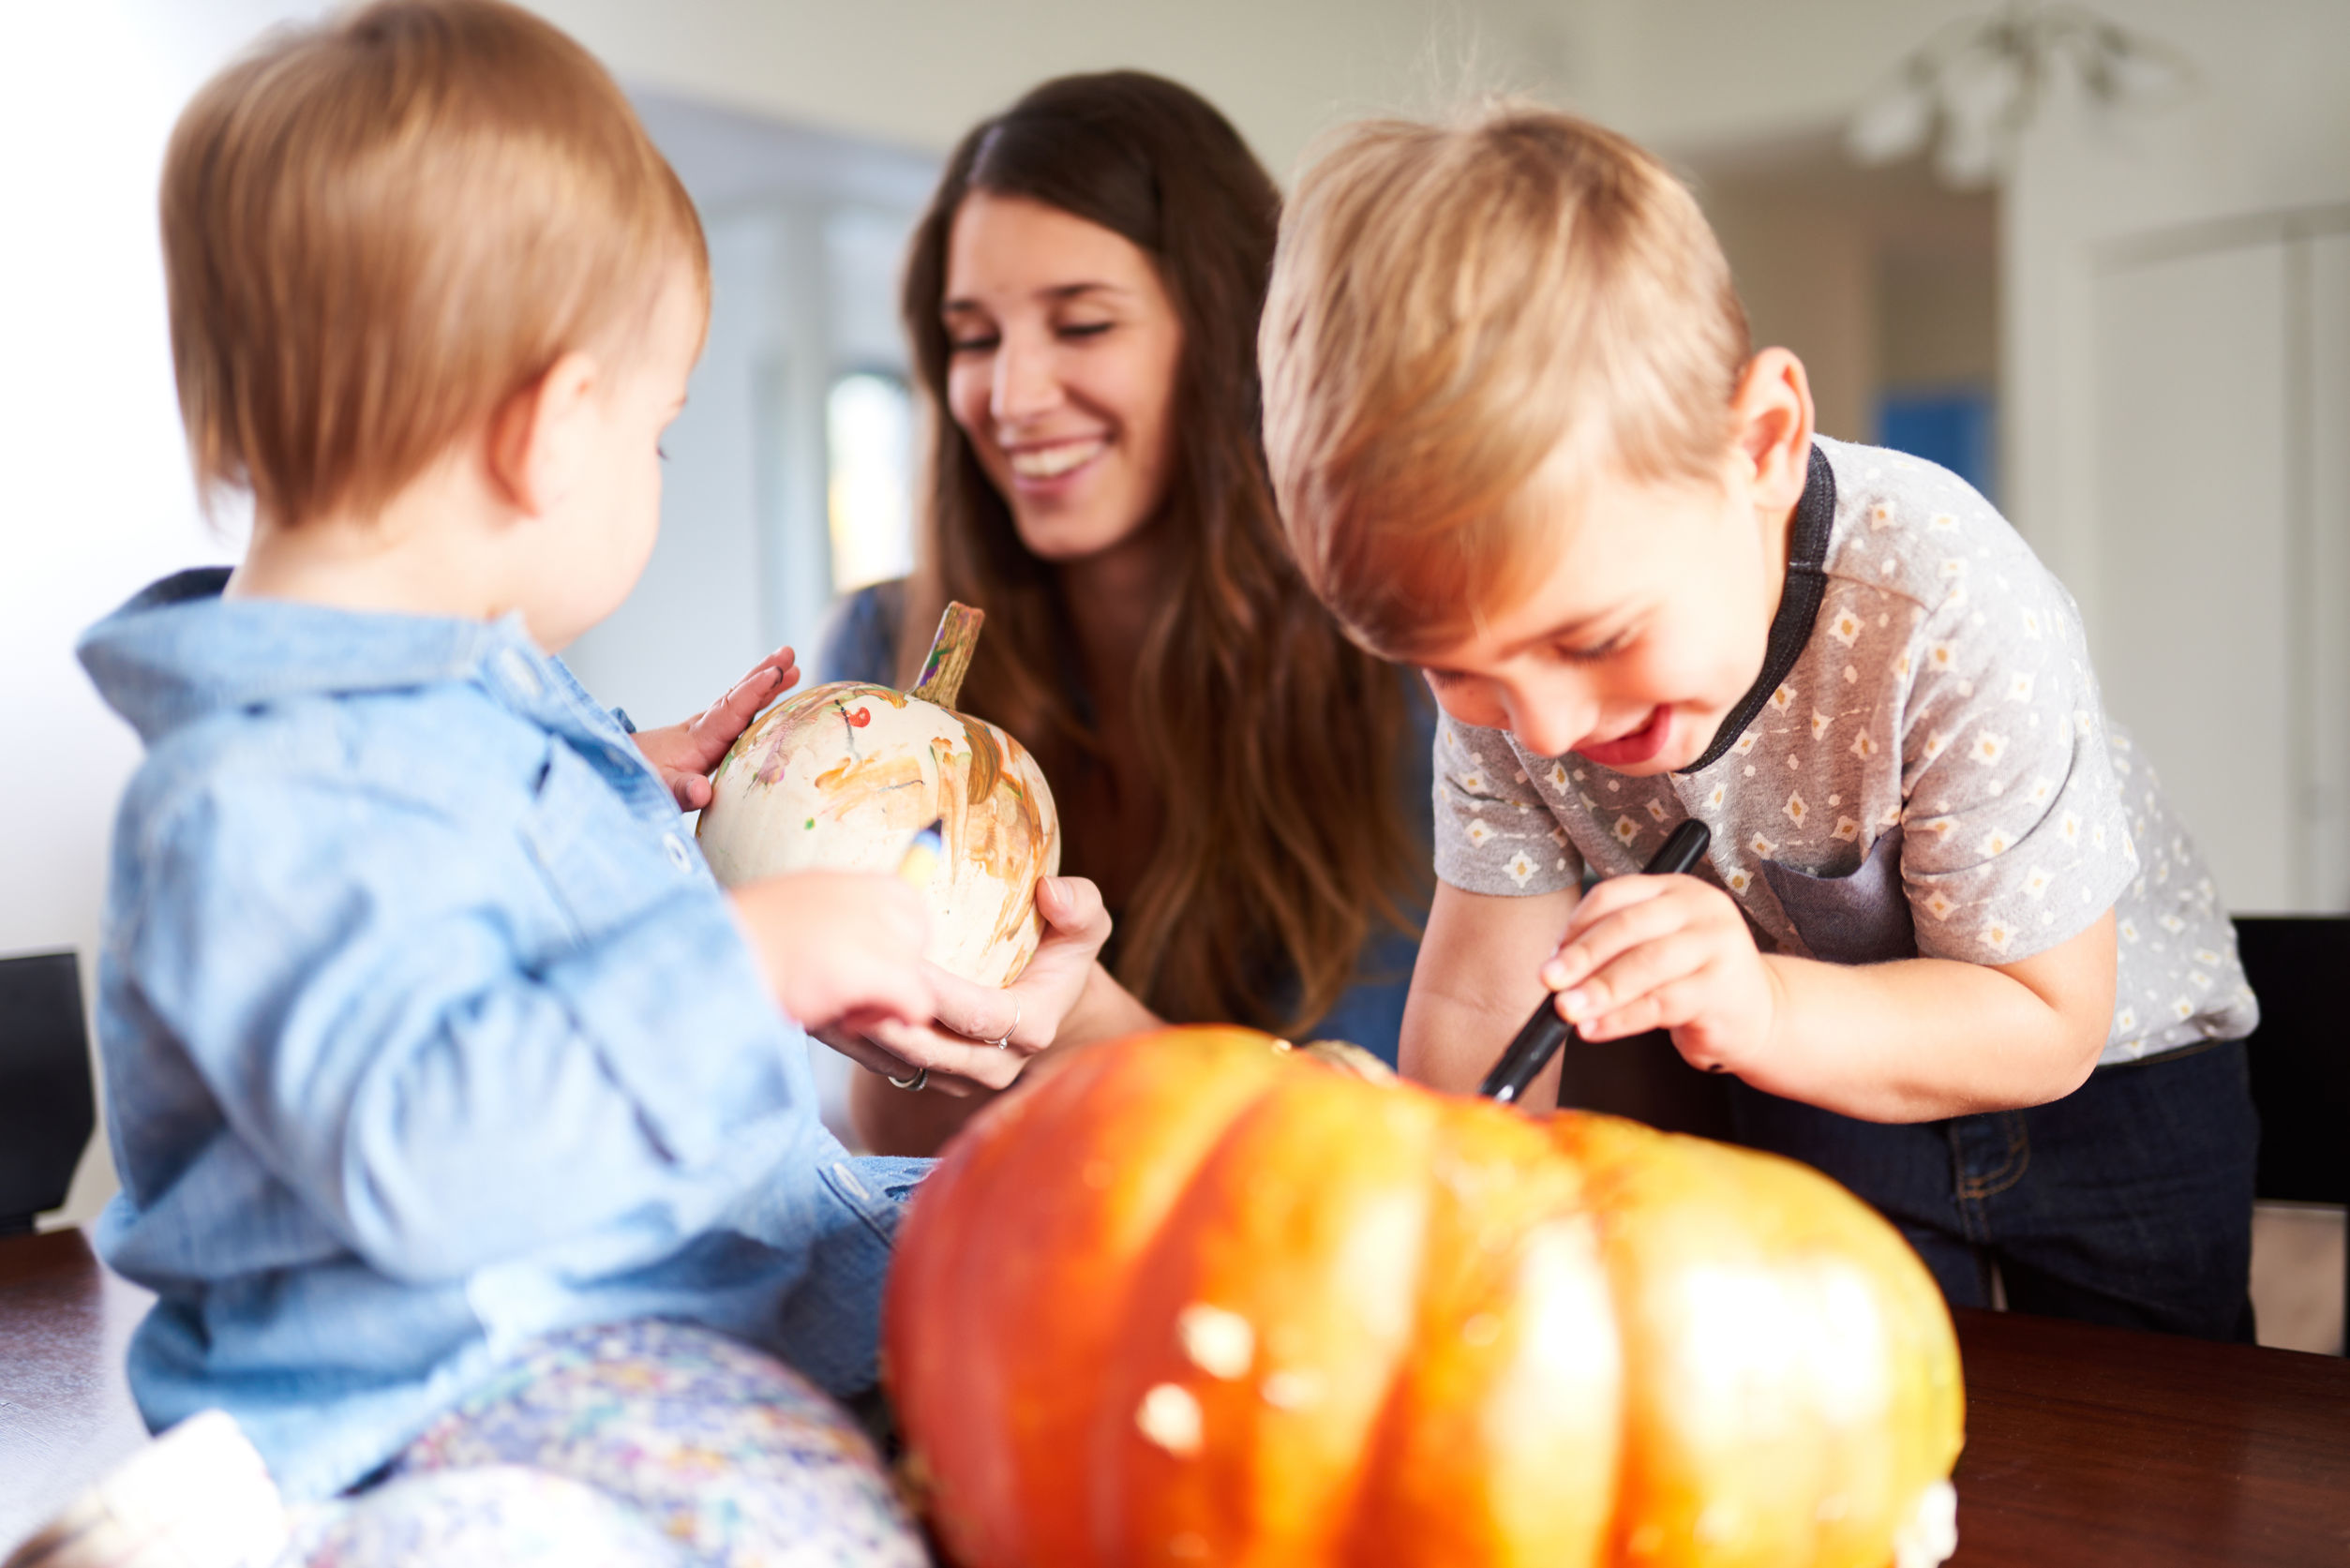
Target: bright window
<point x="869" y="438"/>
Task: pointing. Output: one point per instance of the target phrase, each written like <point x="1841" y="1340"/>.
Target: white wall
<point x="922" y="71"/>
<point x="2205" y="544"/>
<point x="1696" y="76"/>
<point x="2266" y="131"/>
<point x="805" y="232"/>
<point x="97" y="498"/>
<point x="1875" y="277"/>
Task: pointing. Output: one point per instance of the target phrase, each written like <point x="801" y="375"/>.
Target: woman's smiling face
<point x="1064" y="354"/>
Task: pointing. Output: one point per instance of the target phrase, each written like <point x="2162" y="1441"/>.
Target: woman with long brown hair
<point x="1246" y="788"/>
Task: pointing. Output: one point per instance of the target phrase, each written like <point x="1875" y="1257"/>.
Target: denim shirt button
<point x="517" y="669"/>
<point x="679" y="855"/>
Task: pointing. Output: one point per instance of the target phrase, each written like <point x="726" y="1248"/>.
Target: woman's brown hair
<point x="1272" y="741"/>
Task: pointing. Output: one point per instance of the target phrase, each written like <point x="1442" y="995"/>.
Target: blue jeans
<point x="2128" y="1202"/>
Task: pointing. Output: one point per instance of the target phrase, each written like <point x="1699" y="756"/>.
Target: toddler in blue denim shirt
<point x="465" y="1126"/>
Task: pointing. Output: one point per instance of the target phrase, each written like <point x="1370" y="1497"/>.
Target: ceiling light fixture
<point x="1971" y="89"/>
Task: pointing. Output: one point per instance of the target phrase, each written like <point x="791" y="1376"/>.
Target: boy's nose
<point x="1550" y="724"/>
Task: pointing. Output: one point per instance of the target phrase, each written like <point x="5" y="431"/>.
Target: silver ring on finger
<point x="1005" y="1044"/>
<point x="911" y="1085"/>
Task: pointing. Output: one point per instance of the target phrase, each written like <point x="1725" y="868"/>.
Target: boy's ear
<point x="539" y="435"/>
<point x="1772" y="416"/>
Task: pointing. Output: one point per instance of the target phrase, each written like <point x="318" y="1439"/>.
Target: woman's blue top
<point x="861" y="644"/>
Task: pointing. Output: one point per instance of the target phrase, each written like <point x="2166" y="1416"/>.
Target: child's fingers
<point x="1668" y="1007"/>
<point x="1615" y="932"/>
<point x="882" y="1000"/>
<point x="781" y="661"/>
<point x="1613" y="896"/>
<point x="904" y="915"/>
<point x="895" y="987"/>
<point x="761" y="684"/>
<point x="1639" y="972"/>
<point x="708" y="733"/>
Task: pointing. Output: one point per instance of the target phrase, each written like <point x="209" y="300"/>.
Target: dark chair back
<point x="46" y="1108"/>
<point x="2301" y="1057"/>
<point x="2301" y="1053"/>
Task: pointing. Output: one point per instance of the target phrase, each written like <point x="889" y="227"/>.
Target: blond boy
<point x="1522" y="441"/>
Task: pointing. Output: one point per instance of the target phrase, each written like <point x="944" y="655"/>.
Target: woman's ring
<point x="1005" y="1044"/>
<point x="911" y="1085"/>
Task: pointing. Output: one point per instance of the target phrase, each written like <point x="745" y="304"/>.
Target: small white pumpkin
<point x="841" y="777"/>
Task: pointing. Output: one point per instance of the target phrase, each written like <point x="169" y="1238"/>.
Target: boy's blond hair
<point x="379" y="230"/>
<point x="1458" y="311"/>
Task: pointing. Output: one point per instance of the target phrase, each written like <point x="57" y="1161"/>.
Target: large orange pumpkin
<point x="1192" y="1298"/>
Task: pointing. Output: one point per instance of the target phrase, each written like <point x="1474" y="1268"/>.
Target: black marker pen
<point x="1546" y="1031"/>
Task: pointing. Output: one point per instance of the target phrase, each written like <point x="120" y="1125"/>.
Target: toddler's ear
<point x="539" y="437"/>
<point x="1772" y="420"/>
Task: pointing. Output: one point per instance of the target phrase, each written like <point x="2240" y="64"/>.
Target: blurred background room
<point x="2097" y="261"/>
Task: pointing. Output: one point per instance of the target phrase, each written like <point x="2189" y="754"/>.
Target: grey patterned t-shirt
<point x="1933" y="773"/>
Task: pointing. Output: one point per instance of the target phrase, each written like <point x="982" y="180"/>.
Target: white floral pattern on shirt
<point x="1972" y="720"/>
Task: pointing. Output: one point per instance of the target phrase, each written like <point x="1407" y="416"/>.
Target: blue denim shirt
<point x="425" y="1031"/>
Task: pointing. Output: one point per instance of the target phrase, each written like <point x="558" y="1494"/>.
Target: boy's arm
<point x="1928" y="1038"/>
<point x="1478" y="975"/>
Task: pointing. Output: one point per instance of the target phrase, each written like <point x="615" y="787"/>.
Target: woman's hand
<point x="685" y="754"/>
<point x="1029" y="1014"/>
<point x="1666" y="952"/>
<point x="960" y="1045"/>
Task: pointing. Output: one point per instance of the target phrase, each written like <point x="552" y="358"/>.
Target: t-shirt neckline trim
<point x="1799" y="604"/>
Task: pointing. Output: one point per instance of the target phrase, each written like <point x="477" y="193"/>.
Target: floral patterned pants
<point x="643" y="1444"/>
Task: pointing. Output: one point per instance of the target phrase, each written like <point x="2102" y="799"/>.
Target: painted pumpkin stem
<point x="950" y="657"/>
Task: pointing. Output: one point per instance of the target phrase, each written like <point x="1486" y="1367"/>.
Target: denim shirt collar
<point x="178" y="653"/>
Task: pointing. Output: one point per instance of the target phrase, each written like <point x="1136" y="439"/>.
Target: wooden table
<point x="2096" y="1445"/>
<point x="66" y="1416"/>
<point x="2085" y="1446"/>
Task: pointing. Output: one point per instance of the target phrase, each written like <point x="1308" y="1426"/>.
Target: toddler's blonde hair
<point x="378" y="230"/>
<point x="1460" y="311"/>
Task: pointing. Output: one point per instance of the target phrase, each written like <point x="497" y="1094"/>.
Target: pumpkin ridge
<point x="1176" y="1197"/>
<point x="1727" y="1275"/>
<point x="1011" y="1422"/>
<point x="1322" y="1265"/>
<point x="916" y="1368"/>
<point x="923" y="1369"/>
<point x="1492" y="1448"/>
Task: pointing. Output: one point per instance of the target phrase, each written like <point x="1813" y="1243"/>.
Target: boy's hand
<point x="840" y="948"/>
<point x="685" y="754"/>
<point x="1666" y="952"/>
